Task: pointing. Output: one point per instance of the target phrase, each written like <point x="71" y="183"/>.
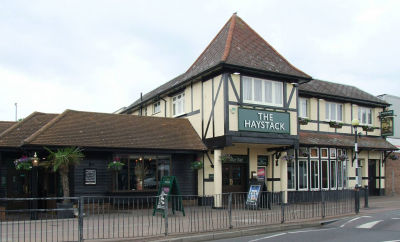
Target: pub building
<point x="241" y="108"/>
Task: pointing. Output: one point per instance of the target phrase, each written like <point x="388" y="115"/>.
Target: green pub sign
<point x="264" y="121"/>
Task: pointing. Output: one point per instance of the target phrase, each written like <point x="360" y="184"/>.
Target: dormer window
<point x="262" y="91"/>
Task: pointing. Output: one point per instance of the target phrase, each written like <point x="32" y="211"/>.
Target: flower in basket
<point x="304" y="153"/>
<point x="342" y="157"/>
<point x="335" y="124"/>
<point x="196" y="165"/>
<point x="23" y="163"/>
<point x="304" y="120"/>
<point x="394" y="157"/>
<point x="225" y="158"/>
<point x="368" y="128"/>
<point x="288" y="158"/>
<point x="116" y="165"/>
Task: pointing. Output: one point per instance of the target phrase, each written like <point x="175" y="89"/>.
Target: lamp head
<point x="355" y="122"/>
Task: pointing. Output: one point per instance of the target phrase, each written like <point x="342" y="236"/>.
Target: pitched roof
<point x="339" y="90"/>
<point x="14" y="136"/>
<point x="237" y="44"/>
<point x="89" y="129"/>
<point x="345" y="141"/>
<point x="4" y="125"/>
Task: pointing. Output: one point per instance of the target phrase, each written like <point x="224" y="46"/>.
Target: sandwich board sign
<point x="168" y="187"/>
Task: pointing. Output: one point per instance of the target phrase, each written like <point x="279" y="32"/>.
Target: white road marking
<point x="366" y="216"/>
<point x="368" y="225"/>
<point x="305" y="231"/>
<point x="395" y="218"/>
<point x="351" y="220"/>
<point x="267" y="237"/>
<point x="392" y="241"/>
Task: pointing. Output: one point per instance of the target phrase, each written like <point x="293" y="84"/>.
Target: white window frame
<point x="328" y="114"/>
<point x="332" y="153"/>
<point x="276" y="87"/>
<point x="156" y="107"/>
<point x="293" y="176"/>
<point x="177" y="100"/>
<point x="366" y="121"/>
<point x="327" y="153"/>
<point x="316" y="177"/>
<point x="328" y="177"/>
<point x="335" y="173"/>
<point x="305" y="176"/>
<point x="303" y="113"/>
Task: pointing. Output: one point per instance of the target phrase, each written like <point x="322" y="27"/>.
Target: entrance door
<point x="47" y="188"/>
<point x="233" y="177"/>
<point x="373" y="191"/>
<point x="18" y="187"/>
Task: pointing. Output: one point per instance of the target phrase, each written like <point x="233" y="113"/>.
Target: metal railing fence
<point x="129" y="217"/>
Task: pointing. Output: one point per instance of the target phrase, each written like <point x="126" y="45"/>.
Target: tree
<point x="60" y="161"/>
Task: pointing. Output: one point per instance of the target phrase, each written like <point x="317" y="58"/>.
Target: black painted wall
<point x="187" y="179"/>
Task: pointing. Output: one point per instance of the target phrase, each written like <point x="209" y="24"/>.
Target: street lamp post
<point x="355" y="122"/>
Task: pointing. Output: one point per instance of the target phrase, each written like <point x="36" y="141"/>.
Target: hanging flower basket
<point x="197" y="165"/>
<point x="288" y="158"/>
<point x="368" y="128"/>
<point x="225" y="158"/>
<point x="304" y="153"/>
<point x="23" y="163"/>
<point x="342" y="157"/>
<point x="336" y="125"/>
<point x="116" y="165"/>
<point x="394" y="157"/>
<point x="304" y="121"/>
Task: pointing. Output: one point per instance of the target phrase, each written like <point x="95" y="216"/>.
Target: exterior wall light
<point x="35" y="160"/>
<point x="233" y="110"/>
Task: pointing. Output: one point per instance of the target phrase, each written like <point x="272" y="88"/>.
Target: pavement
<point x="376" y="205"/>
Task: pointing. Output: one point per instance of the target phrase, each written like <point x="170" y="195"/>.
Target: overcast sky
<point x="100" y="55"/>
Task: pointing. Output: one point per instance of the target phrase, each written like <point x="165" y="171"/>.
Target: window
<point x="324" y="152"/>
<point x="334" y="111"/>
<point x="333" y="152"/>
<point x="303" y="174"/>
<point x="314" y="175"/>
<point x="333" y="174"/>
<point x="291" y="175"/>
<point x="303" y="108"/>
<point x="325" y="175"/>
<point x="262" y="91"/>
<point x="314" y="153"/>
<point x="365" y="115"/>
<point x="178" y="104"/>
<point x="140" y="172"/>
<point x="145" y="111"/>
<point x="157" y="107"/>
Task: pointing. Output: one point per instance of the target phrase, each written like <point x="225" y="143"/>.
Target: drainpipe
<point x="165" y="106"/>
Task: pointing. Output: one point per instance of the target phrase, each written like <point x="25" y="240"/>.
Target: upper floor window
<point x="303" y="108"/>
<point x="334" y="111"/>
<point x="157" y="107"/>
<point x="262" y="91"/>
<point x="365" y="115"/>
<point x="178" y="104"/>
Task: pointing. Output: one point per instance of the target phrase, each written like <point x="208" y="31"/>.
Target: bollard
<point x="357" y="199"/>
<point x="366" y="195"/>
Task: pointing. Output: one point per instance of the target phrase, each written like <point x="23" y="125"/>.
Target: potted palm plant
<point x="60" y="161"/>
<point x="140" y="172"/>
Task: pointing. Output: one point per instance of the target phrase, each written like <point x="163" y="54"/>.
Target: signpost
<point x="168" y="187"/>
<point x="254" y="196"/>
<point x="90" y="176"/>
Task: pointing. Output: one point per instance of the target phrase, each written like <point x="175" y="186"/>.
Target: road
<point x="380" y="227"/>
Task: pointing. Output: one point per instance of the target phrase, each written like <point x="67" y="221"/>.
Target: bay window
<point x="178" y="104"/>
<point x="334" y="111"/>
<point x="262" y="91"/>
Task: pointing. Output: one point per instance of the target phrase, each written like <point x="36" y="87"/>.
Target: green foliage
<point x="63" y="158"/>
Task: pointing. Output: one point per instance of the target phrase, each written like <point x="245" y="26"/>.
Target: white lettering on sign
<point x="265" y="122"/>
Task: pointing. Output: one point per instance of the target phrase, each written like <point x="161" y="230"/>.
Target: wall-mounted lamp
<point x="321" y="99"/>
<point x="236" y="73"/>
<point x="253" y="175"/>
<point x="233" y="110"/>
<point x="35" y="160"/>
<point x="294" y="84"/>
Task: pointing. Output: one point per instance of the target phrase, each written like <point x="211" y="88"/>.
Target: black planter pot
<point x="65" y="213"/>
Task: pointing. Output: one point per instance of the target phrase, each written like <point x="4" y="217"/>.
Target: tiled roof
<point x="340" y="90"/>
<point x="342" y="140"/>
<point x="88" y="129"/>
<point x="14" y="136"/>
<point x="4" y="125"/>
<point x="237" y="44"/>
